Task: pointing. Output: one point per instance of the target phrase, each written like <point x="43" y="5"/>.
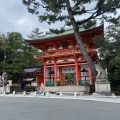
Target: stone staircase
<point x="65" y="88"/>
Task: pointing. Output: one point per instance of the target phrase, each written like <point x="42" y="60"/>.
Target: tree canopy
<point x="15" y="55"/>
<point x="75" y="13"/>
<point x="109" y="51"/>
<point x="91" y="10"/>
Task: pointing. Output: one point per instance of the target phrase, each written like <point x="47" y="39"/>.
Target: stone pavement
<point x="68" y="95"/>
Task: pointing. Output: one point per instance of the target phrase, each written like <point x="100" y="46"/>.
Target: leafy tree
<point x="112" y="55"/>
<point x="18" y="55"/>
<point x="109" y="52"/>
<point x="72" y="12"/>
<point x="28" y="54"/>
<point x="101" y="44"/>
<point x="69" y="77"/>
<point x="36" y="33"/>
<point x="3" y="49"/>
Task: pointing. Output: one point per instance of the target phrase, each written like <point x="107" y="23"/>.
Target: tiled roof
<point x="69" y="31"/>
<point x="28" y="79"/>
<point x="52" y="35"/>
<point x="32" y="69"/>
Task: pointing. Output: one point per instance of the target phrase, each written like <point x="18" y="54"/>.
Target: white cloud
<point x="21" y="21"/>
<point x="15" y="17"/>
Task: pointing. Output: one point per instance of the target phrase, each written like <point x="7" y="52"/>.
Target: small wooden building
<point x="34" y="72"/>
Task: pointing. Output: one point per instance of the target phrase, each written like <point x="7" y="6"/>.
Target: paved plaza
<point x="69" y="95"/>
<point x="53" y="108"/>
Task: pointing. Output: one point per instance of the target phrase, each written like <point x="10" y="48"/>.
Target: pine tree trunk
<point x="79" y="40"/>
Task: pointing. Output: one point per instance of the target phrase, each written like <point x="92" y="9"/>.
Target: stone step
<point x="65" y="88"/>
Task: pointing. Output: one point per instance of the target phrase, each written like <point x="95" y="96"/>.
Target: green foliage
<point x="109" y="52"/>
<point x="18" y="55"/>
<point x="55" y="10"/>
<point x="2" y="41"/>
<point x="89" y="24"/>
<point x="57" y="31"/>
<point x="68" y="77"/>
<point x="36" y="33"/>
<point x="99" y="41"/>
<point x="76" y="13"/>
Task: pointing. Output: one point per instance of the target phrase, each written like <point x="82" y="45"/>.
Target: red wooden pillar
<point x="55" y="74"/>
<point x="90" y="76"/>
<point x="76" y="70"/>
<point x="60" y="75"/>
<point x="44" y="74"/>
<point x="79" y="73"/>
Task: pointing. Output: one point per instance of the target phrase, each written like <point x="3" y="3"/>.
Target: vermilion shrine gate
<point x="62" y="55"/>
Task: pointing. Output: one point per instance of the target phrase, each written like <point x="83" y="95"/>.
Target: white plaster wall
<point x="68" y="70"/>
<point x="47" y="72"/>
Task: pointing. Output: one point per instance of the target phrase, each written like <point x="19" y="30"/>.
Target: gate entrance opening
<point x="70" y="79"/>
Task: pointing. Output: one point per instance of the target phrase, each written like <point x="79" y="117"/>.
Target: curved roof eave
<point x="66" y="33"/>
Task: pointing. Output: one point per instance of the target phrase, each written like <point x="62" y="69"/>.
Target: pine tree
<point x="36" y="33"/>
<point x="72" y="12"/>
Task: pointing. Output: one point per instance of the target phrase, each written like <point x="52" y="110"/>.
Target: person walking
<point x="38" y="89"/>
<point x="23" y="86"/>
<point x="42" y="89"/>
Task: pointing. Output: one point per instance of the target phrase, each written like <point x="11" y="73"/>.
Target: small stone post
<point x="13" y="93"/>
<point x="35" y="94"/>
<point x="60" y="94"/>
<point x="47" y="94"/>
<point x="24" y="93"/>
<point x="4" y="93"/>
<point x="75" y="95"/>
